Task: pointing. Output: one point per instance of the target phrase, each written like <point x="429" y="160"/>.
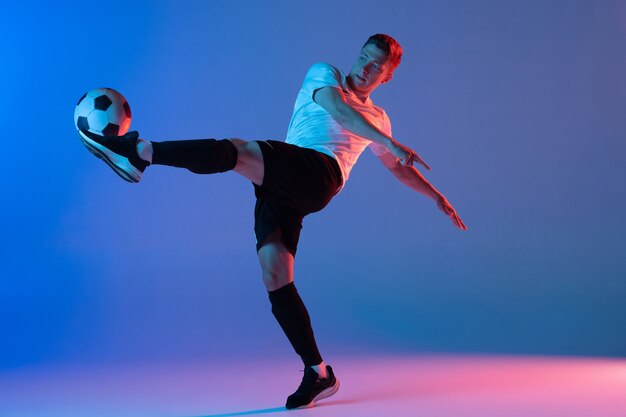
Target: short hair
<point x="388" y="45"/>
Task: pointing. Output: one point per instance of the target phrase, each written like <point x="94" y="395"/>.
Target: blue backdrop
<point x="517" y="106"/>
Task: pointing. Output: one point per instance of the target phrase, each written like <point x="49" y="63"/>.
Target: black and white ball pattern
<point x="103" y="111"/>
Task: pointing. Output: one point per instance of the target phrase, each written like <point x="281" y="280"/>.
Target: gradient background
<point x="517" y="106"/>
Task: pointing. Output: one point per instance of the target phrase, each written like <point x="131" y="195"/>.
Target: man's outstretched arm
<point x="334" y="102"/>
<point x="400" y="158"/>
<point x="413" y="179"/>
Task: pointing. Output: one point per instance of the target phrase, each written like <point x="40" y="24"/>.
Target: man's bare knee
<point x="276" y="263"/>
<point x="276" y="273"/>
<point x="249" y="160"/>
<point x="245" y="147"/>
<point x="274" y="281"/>
<point x="239" y="143"/>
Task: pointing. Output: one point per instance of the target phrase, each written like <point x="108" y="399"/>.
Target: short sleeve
<point x="376" y="148"/>
<point x="321" y="75"/>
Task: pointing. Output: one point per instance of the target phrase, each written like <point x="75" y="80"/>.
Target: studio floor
<point x="426" y="385"/>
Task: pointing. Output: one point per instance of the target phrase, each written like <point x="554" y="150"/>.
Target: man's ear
<point x="387" y="78"/>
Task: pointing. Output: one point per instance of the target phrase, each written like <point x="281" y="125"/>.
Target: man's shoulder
<point x="322" y="74"/>
<point x="324" y="68"/>
<point x="324" y="65"/>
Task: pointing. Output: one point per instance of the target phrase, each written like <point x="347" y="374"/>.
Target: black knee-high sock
<point x="289" y="310"/>
<point x="202" y="156"/>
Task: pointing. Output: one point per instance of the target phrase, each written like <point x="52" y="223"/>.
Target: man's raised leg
<point x="249" y="161"/>
<point x="129" y="155"/>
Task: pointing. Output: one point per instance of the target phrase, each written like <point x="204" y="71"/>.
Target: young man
<point x="333" y="121"/>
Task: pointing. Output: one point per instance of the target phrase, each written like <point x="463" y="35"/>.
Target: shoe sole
<point x="120" y="164"/>
<point x="324" y="394"/>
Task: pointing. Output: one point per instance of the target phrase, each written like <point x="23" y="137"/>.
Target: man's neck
<point x="362" y="97"/>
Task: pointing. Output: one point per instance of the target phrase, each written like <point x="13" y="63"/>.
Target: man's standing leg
<point x="293" y="317"/>
<point x="287" y="306"/>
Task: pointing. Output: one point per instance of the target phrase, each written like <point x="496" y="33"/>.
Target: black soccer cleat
<point x="120" y="152"/>
<point x="312" y="389"/>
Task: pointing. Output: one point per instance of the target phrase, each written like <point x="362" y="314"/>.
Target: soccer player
<point x="333" y="121"/>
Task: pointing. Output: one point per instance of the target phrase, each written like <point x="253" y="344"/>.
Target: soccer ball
<point x="103" y="111"/>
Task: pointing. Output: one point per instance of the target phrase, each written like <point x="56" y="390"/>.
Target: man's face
<point x="370" y="70"/>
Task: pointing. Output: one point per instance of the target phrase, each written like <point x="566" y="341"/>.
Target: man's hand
<point x="449" y="211"/>
<point x="406" y="155"/>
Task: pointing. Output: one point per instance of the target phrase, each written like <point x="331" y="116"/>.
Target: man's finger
<point x="422" y="162"/>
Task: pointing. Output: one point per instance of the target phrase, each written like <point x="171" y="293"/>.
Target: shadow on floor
<point x="248" y="413"/>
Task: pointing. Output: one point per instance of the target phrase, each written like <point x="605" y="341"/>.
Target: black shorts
<point x="297" y="181"/>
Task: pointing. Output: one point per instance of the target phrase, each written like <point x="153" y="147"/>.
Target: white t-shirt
<point x="313" y="127"/>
